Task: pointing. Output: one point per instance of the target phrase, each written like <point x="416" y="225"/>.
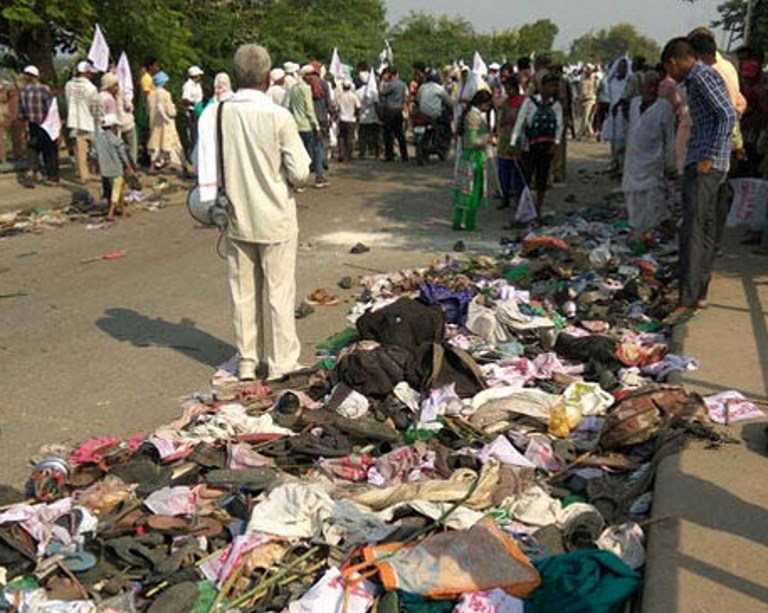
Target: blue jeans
<point x="315" y="150"/>
<point x="511" y="178"/>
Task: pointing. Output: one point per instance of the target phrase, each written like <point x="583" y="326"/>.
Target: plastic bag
<point x="526" y="209"/>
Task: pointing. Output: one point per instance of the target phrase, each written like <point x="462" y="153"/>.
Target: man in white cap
<point x="82" y="98"/>
<point x="191" y="94"/>
<point x="263" y="157"/>
<point x="277" y="90"/>
<point x="291" y="74"/>
<point x="35" y="101"/>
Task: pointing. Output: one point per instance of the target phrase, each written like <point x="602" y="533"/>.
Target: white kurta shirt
<point x="80" y="94"/>
<point x="192" y="91"/>
<point x="262" y="154"/>
<point x="650" y="145"/>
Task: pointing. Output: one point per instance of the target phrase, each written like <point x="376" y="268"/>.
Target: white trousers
<point x="262" y="283"/>
<point x="645" y="209"/>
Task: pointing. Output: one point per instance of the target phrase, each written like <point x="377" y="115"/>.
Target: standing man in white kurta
<point x="263" y="158"/>
<point x="650" y="156"/>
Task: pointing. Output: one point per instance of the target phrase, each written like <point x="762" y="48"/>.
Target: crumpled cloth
<point x="588" y="398"/>
<point x="661" y="370"/>
<point x="355" y="405"/>
<point x="404" y="464"/>
<point x="500" y="403"/>
<point x="490" y="601"/>
<point x="39" y="521"/>
<point x="446" y="565"/>
<point x="441" y="401"/>
<point x="626" y="541"/>
<point x="449" y="490"/>
<point x="228" y="422"/>
<point x="242" y="456"/>
<point x="533" y="506"/>
<point x="354" y="467"/>
<point x="582" y="581"/>
<point x="503" y="451"/>
<point x="219" y="567"/>
<point x="306" y="511"/>
<point x="462" y="518"/>
<point x="739" y="408"/>
<point x="179" y="500"/>
<point x="581" y="525"/>
<point x="328" y="595"/>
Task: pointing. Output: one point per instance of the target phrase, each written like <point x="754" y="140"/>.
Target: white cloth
<point x="277" y="93"/>
<point x="98" y="54"/>
<point x="650" y="145"/>
<point x="192" y="91"/>
<point x="349" y="104"/>
<point x="125" y="79"/>
<point x="369" y="98"/>
<point x="80" y="94"/>
<point x="263" y="153"/>
<point x="52" y="122"/>
<point x="614" y="126"/>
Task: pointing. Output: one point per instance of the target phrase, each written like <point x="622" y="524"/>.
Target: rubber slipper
<point x="196" y="526"/>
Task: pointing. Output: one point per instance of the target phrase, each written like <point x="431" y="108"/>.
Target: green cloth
<point x="469" y="179"/>
<point x="300" y="104"/>
<point x="338" y="341"/>
<point x="206" y="594"/>
<point x="414" y="603"/>
<point x="589" y="581"/>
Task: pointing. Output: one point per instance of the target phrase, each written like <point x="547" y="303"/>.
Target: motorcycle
<point x="431" y="138"/>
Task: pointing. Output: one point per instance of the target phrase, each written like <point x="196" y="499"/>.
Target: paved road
<point x="110" y="347"/>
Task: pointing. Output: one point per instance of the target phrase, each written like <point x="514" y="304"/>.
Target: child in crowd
<point x="114" y="163"/>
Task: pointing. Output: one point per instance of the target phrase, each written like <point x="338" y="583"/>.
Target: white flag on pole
<point x="98" y="54"/>
<point x="52" y="123"/>
<point x="371" y="91"/>
<point x="124" y="78"/>
<point x="478" y="65"/>
<point x="336" y="68"/>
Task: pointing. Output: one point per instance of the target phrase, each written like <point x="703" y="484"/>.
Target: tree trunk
<point x="34" y="43"/>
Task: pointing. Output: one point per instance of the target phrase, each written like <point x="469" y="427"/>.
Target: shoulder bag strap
<point x="220" y="147"/>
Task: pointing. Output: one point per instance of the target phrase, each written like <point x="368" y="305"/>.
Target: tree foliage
<point x="443" y="39"/>
<point x="206" y="32"/>
<point x="607" y="44"/>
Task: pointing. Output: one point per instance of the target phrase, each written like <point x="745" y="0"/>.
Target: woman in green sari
<point x="469" y="183"/>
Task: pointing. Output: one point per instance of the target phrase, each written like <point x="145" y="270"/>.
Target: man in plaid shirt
<point x="706" y="166"/>
<point x="36" y="100"/>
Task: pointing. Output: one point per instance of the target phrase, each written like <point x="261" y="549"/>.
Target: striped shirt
<point x="712" y="117"/>
<point x="35" y="102"/>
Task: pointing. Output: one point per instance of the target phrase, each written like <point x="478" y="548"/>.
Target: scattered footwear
<point x="304" y="310"/>
<point x="360" y="248"/>
<point x="320" y="297"/>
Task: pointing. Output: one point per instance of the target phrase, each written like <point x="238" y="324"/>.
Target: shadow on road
<point x="142" y="331"/>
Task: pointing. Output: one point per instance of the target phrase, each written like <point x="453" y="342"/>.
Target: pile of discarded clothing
<point x="483" y="438"/>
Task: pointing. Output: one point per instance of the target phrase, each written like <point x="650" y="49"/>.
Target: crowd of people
<point x="690" y="121"/>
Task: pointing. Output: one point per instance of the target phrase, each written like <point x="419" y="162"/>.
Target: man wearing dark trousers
<point x="393" y="94"/>
<point x="36" y="100"/>
<point x="706" y="166"/>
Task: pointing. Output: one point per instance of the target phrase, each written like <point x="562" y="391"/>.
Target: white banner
<point x="98" y="54"/>
<point x="52" y="123"/>
<point x="124" y="78"/>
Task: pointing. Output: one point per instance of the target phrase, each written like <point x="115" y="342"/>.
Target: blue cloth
<point x="511" y="177"/>
<point x="454" y="304"/>
<point x="160" y="79"/>
<point x="712" y="117"/>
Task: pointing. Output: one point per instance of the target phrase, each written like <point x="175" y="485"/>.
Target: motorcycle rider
<point x="436" y="105"/>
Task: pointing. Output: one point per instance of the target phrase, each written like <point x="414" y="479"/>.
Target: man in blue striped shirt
<point x="706" y="166"/>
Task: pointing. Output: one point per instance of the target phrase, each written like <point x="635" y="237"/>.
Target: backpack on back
<point x="543" y="125"/>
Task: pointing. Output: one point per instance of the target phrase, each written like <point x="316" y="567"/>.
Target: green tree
<point x="733" y="16"/>
<point x="537" y="37"/>
<point x="433" y="39"/>
<point x="35" y="29"/>
<point x="608" y="44"/>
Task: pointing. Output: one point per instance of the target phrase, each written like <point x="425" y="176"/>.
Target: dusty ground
<point x="110" y="347"/>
